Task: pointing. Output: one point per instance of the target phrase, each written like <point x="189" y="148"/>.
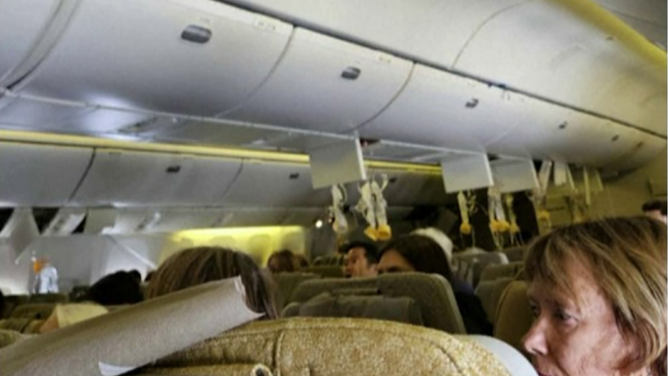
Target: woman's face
<point x="574" y="337"/>
<point x="393" y="262"/>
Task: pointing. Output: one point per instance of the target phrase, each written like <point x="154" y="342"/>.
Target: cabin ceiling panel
<point x="140" y="178"/>
<point x="20" y="29"/>
<point x="37" y="175"/>
<point x="440" y="109"/>
<point x="275" y="185"/>
<point x="430" y="30"/>
<point x="574" y="61"/>
<point x="132" y="54"/>
<point x="325" y="84"/>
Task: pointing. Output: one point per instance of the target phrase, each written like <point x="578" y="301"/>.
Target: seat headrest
<point x="399" y="309"/>
<point x="513" y="360"/>
<point x="342" y="346"/>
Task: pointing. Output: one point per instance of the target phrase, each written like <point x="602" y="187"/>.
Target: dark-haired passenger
<point x="655" y="209"/>
<point x="282" y="261"/>
<point x="418" y="253"/>
<point x="361" y="260"/>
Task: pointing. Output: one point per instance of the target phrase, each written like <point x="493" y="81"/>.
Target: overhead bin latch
<point x="351" y="73"/>
<point x="196" y="34"/>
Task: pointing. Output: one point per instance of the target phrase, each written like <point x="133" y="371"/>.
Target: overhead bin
<point x="325" y="84"/>
<point x="20" y="29"/>
<point x="123" y="178"/>
<point x="440" y="109"/>
<point x="433" y="31"/>
<point x="40" y="175"/>
<point x="194" y="57"/>
<point x="578" y="61"/>
<point x="275" y="185"/>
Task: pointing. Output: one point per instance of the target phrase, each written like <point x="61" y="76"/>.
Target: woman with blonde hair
<point x="199" y="265"/>
<point x="598" y="292"/>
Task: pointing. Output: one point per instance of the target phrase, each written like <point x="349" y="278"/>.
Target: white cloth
<point x="47" y="280"/>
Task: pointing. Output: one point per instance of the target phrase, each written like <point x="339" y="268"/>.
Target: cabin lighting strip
<point x="111" y="143"/>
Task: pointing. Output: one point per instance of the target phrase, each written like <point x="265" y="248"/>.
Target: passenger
<point x="199" y="265"/>
<point x="361" y="260"/>
<point x="117" y="288"/>
<point x="655" y="209"/>
<point x="46" y="280"/>
<point x="419" y="253"/>
<point x="282" y="261"/>
<point x="302" y="261"/>
<point x="598" y="291"/>
<point x="68" y="314"/>
<point x="446" y="245"/>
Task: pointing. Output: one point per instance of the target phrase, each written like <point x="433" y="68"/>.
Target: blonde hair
<point x="195" y="266"/>
<point x="627" y="256"/>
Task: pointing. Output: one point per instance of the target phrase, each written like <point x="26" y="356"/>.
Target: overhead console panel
<point x="325" y="84"/>
<point x="40" y="175"/>
<point x="123" y="178"/>
<point x="193" y="57"/>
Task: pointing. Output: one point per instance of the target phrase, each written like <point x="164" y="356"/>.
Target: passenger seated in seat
<point x="118" y="288"/>
<point x="282" y="261"/>
<point x="361" y="260"/>
<point x="598" y="292"/>
<point x="199" y="265"/>
<point x="419" y="253"/>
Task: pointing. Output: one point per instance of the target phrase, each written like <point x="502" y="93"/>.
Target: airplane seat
<point x="496" y="271"/>
<point x="325" y="271"/>
<point x="514" y="361"/>
<point x="286" y="283"/>
<point x="33" y="311"/>
<point x="432" y="293"/>
<point x="515" y="254"/>
<point x="490" y="293"/>
<point x="329" y="260"/>
<point x="8" y="337"/>
<point x="10" y="303"/>
<point x="469" y="266"/>
<point x="330" y="346"/>
<point x="513" y="315"/>
<point x="47" y="298"/>
<point x="399" y="309"/>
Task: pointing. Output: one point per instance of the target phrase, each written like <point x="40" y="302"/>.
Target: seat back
<point x="515" y="254"/>
<point x="10" y="303"/>
<point x="286" y="283"/>
<point x="489" y="293"/>
<point x="325" y="271"/>
<point x="496" y="271"/>
<point x="326" y="347"/>
<point x="432" y="293"/>
<point x="469" y="266"/>
<point x="33" y="311"/>
<point x="48" y="298"/>
<point x="23" y="325"/>
<point x="513" y="316"/>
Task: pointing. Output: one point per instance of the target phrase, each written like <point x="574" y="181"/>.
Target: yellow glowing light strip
<point x="95" y="142"/>
<point x="609" y="23"/>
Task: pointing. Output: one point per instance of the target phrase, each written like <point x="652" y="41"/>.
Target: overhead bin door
<point x="577" y="62"/>
<point x="441" y="109"/>
<point x="140" y="178"/>
<point x="190" y="56"/>
<point x="275" y="185"/>
<point x="325" y="84"/>
<point x="21" y="25"/>
<point x="36" y="175"/>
